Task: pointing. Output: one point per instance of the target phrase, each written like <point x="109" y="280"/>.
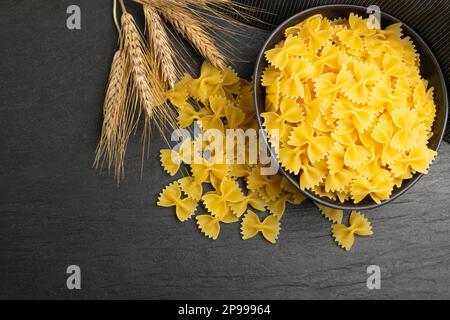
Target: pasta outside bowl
<point x="429" y="69"/>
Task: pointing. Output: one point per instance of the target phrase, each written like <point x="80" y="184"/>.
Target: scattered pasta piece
<point x="171" y="196"/>
<point x="191" y="188"/>
<point x="209" y="225"/>
<point x="171" y="160"/>
<point x="345" y="235"/>
<point x="251" y="225"/>
<point x="252" y="199"/>
<point x="216" y="202"/>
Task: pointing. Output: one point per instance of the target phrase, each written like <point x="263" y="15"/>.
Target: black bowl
<point x="429" y="69"/>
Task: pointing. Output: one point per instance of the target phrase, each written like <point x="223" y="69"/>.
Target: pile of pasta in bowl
<point x="347" y="109"/>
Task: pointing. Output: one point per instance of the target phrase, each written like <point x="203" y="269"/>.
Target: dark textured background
<point x="55" y="210"/>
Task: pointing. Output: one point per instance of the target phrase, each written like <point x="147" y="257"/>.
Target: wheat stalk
<point x="109" y="147"/>
<point x="147" y="89"/>
<point x="189" y="27"/>
<point x="160" y="46"/>
<point x="215" y="7"/>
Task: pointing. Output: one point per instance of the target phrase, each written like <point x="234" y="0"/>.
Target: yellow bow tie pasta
<point x="222" y="193"/>
<point x="352" y="110"/>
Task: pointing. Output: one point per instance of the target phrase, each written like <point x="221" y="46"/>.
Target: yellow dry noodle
<point x="225" y="102"/>
<point x="251" y="225"/>
<point x="171" y="196"/>
<point x="351" y="110"/>
<point x="345" y="235"/>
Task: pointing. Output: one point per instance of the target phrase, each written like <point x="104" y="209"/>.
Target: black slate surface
<point x="57" y="211"/>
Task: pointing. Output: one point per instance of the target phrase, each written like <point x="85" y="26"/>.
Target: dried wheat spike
<point x="160" y="46"/>
<point x="190" y="27"/>
<point x="111" y="140"/>
<point x="147" y="88"/>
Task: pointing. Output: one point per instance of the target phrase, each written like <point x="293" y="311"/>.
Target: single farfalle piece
<point x="339" y="176"/>
<point x="383" y="98"/>
<point x="362" y="117"/>
<point x="379" y="188"/>
<point x="279" y="56"/>
<point x="270" y="75"/>
<point x="187" y="115"/>
<point x="209" y="225"/>
<point x="328" y="58"/>
<point x="328" y="85"/>
<point x="251" y="225"/>
<point x="217" y="105"/>
<point x="171" y="159"/>
<point x="334" y="215"/>
<point x="217" y="202"/>
<point x="191" y="188"/>
<point x="355" y="154"/>
<point x="210" y="83"/>
<point x="393" y="66"/>
<point x="251" y="199"/>
<point x="345" y="235"/>
<point x="365" y="76"/>
<point x="171" y="197"/>
<point x="416" y="160"/>
<point x="203" y="170"/>
<point x="234" y="117"/>
<point x="424" y="104"/>
<point x="180" y="92"/>
<point x="290" y="112"/>
<point x="316" y="31"/>
<point x="296" y="72"/>
<point x="272" y="100"/>
<point x="409" y="129"/>
<point x="317" y="146"/>
<point x="353" y="38"/>
<point x="291" y="157"/>
<point x="231" y="81"/>
<point x="409" y="52"/>
<point x="382" y="133"/>
<point x="313" y="174"/>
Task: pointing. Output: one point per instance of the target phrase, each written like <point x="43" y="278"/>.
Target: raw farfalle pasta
<point x="171" y="197"/>
<point x="223" y="192"/>
<point x="209" y="225"/>
<point x="171" y="160"/>
<point x="191" y="188"/>
<point x="349" y="107"/>
<point x="251" y="225"/>
<point x="218" y="202"/>
<point x="345" y="235"/>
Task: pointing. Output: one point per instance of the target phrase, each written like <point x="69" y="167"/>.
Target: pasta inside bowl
<point x="353" y="112"/>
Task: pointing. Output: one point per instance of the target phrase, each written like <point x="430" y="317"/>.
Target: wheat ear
<point x="147" y="88"/>
<point x="190" y="27"/>
<point x="111" y="140"/>
<point x="160" y="46"/>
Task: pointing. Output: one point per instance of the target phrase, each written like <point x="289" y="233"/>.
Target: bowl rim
<point x="258" y="72"/>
